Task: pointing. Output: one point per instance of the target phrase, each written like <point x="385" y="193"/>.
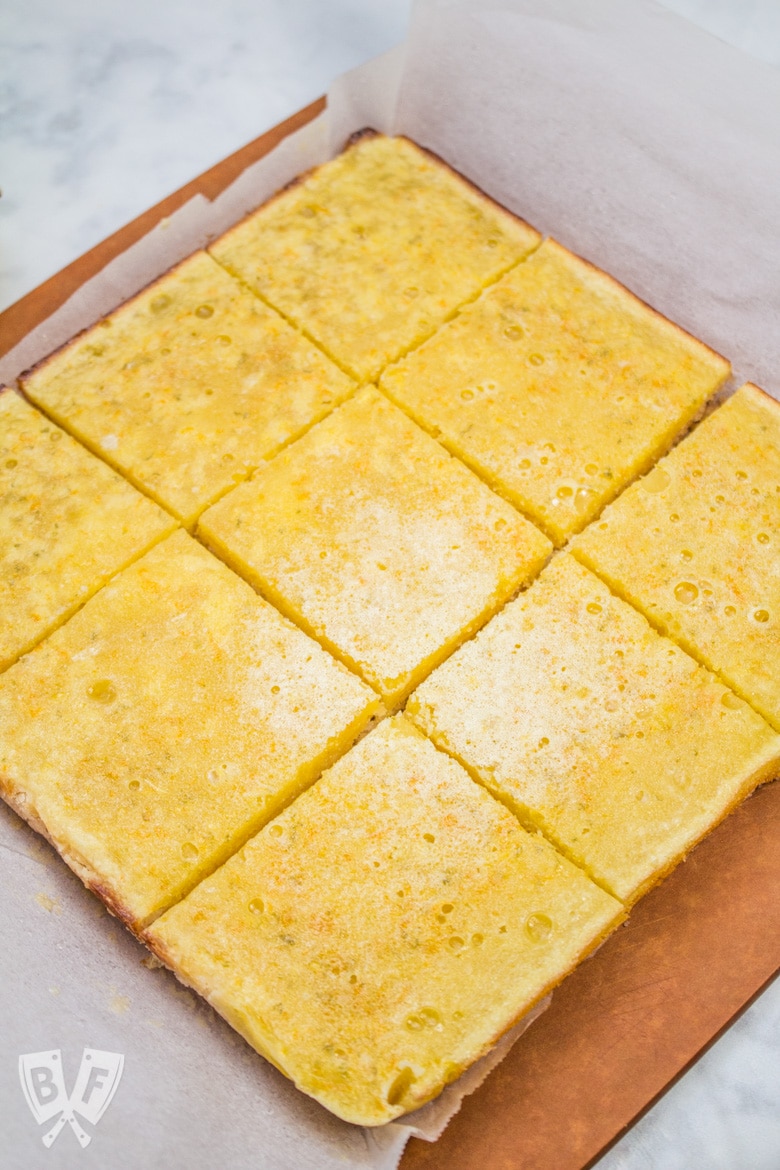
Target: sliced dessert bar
<point x="165" y="722"/>
<point x="369" y="253"/>
<point x="384" y="931"/>
<point x="379" y="543"/>
<point x="597" y="729"/>
<point x="558" y="387"/>
<point x="67" y="524"/>
<point x="696" y="546"/>
<point x="189" y="386"/>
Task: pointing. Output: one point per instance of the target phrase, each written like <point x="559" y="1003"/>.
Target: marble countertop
<point x="108" y="107"/>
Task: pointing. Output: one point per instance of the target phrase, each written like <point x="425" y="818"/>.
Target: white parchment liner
<point x="637" y="140"/>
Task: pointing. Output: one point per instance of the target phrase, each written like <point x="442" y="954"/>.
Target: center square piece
<point x="375" y="540"/>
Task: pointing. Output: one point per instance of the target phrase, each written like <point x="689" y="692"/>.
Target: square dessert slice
<point x="557" y="386"/>
<point x="696" y="546"/>
<point x="597" y="729"/>
<point x="369" y="253"/>
<point x="189" y="386"/>
<point x="385" y="930"/>
<point x="67" y="524"/>
<point x="375" y="540"/>
<point x="166" y="722"/>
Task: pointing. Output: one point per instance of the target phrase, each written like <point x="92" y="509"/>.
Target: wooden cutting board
<point x="621" y="1029"/>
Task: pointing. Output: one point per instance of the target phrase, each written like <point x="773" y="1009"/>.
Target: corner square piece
<point x="696" y="546"/>
<point x="369" y="253"/>
<point x="558" y="387"/>
<point x="373" y="538"/>
<point x="168" y="720"/>
<point x="189" y="386"/>
<point x="385" y="930"/>
<point x="67" y="524"/>
<point x="596" y="729"/>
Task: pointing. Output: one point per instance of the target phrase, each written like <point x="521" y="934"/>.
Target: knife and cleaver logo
<point x="43" y="1084"/>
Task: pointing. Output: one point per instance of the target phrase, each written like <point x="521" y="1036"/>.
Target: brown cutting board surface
<point x="631" y="1019"/>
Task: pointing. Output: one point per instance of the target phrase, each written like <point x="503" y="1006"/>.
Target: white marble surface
<point x="104" y="109"/>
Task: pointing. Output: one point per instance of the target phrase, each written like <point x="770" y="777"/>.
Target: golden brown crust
<point x="354" y="140"/>
<point x="770" y="400"/>
<point x="612" y="281"/>
<point x="467" y="182"/>
<point x="23" y="808"/>
<point x="105" y="319"/>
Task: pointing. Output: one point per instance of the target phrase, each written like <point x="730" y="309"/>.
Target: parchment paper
<point x="640" y="142"/>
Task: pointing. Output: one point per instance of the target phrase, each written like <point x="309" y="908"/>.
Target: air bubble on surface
<point x="538" y="927"/>
<point x="456" y="943"/>
<point x="204" y="311"/>
<point x="686" y="592"/>
<point x="731" y="701"/>
<point x="189" y="851"/>
<point x="467" y="395"/>
<point x="257" y="905"/>
<point x="583" y="499"/>
<point x="400" y="1086"/>
<point x="657" y="481"/>
<point x="761" y="615"/>
<point x="686" y="554"/>
<point x="276" y="830"/>
<point x="593" y="607"/>
<point x="513" y="332"/>
<point x="135" y="363"/>
<point x="160" y="302"/>
<point x="762" y="538"/>
<point x="428" y="837"/>
<point x="102" y="691"/>
<point x="134" y="785"/>
<point x="729" y="611"/>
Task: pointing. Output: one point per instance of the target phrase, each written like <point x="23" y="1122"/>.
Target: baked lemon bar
<point x="165" y="722"/>
<point x="696" y="546"/>
<point x="189" y="386"/>
<point x="379" y="543"/>
<point x="369" y="253"/>
<point x="557" y="386"/>
<point x="596" y="729"/>
<point x="384" y="931"/>
<point x="67" y="524"/>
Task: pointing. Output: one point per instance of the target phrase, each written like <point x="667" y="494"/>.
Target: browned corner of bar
<point x="629" y="1021"/>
